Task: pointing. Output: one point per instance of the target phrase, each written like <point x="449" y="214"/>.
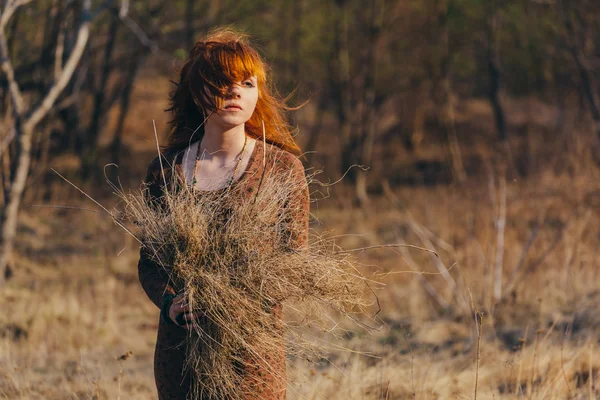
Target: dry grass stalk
<point x="219" y="251"/>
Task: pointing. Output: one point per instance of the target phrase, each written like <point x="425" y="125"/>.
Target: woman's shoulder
<point x="165" y="161"/>
<point x="283" y="159"/>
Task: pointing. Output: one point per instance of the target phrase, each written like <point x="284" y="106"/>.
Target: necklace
<point x="237" y="165"/>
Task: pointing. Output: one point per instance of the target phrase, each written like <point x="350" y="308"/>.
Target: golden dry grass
<point x="237" y="261"/>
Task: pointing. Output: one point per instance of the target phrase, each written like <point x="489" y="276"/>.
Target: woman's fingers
<point x="180" y="303"/>
<point x="186" y="319"/>
<point x="179" y="298"/>
<point x="179" y="307"/>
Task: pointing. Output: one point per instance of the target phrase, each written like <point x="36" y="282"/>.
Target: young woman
<point x="228" y="128"/>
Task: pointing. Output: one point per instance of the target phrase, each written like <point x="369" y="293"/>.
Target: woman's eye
<point x="248" y="84"/>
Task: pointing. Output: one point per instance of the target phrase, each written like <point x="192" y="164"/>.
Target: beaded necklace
<point x="237" y="165"/>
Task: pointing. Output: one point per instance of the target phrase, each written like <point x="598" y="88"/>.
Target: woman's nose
<point x="234" y="91"/>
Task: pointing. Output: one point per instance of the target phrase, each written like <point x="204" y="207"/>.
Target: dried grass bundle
<point x="220" y="251"/>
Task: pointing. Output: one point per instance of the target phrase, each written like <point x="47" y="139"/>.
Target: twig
<point x="120" y="224"/>
<point x="416" y="271"/>
<point x="478" y="317"/>
<point x="347" y="315"/>
<point x="322" y="184"/>
<point x="436" y="260"/>
<point x="591" y="371"/>
<point x="429" y="288"/>
<point x="562" y="360"/>
<point x="139" y="32"/>
<point x="264" y="162"/>
<point x="439" y="241"/>
<point x="162" y="170"/>
<point x="70" y="208"/>
<point x="383" y="246"/>
<point x="519" y="387"/>
<point x="534" y="364"/>
<point x="579" y="235"/>
<point x="544" y="255"/>
<point x="120" y="360"/>
<point x="500" y="227"/>
<point x="522" y="258"/>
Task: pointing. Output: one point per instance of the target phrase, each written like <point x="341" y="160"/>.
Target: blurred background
<point x="478" y="123"/>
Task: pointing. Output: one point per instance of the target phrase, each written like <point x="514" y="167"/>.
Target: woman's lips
<point x="233" y="108"/>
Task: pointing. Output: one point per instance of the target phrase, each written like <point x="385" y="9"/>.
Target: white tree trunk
<point x="23" y="128"/>
<point x="11" y="211"/>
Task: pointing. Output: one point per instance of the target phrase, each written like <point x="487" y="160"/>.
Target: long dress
<point x="171" y="380"/>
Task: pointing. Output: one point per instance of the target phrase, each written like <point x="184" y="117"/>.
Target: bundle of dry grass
<point x="219" y="251"/>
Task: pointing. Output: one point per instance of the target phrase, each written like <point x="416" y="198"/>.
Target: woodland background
<point x="478" y="120"/>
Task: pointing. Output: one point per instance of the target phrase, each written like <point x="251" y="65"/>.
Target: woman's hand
<point x="180" y="312"/>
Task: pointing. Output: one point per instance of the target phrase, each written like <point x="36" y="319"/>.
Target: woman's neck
<point x="222" y="143"/>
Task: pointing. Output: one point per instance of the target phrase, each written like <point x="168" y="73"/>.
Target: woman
<point x="228" y="130"/>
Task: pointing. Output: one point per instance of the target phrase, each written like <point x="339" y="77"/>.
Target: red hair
<point x="220" y="59"/>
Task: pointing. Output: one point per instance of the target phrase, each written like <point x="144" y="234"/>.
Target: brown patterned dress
<point x="171" y="381"/>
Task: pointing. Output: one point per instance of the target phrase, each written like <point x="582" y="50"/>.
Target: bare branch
<point x="517" y="271"/>
<point x="7" y="140"/>
<point x="500" y="227"/>
<point x="15" y="92"/>
<point x="65" y="77"/>
<point x="9" y="10"/>
<point x="138" y="31"/>
<point x="436" y="260"/>
<point x="60" y="48"/>
<point x="135" y="28"/>
<point x="429" y="288"/>
<point x="383" y="246"/>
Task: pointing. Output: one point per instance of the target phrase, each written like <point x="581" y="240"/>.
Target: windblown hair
<point x="220" y="59"/>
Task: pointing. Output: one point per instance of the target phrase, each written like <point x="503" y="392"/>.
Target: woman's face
<point x="238" y="104"/>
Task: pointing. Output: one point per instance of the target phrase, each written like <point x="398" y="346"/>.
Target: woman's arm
<point x="153" y="277"/>
<point x="297" y="208"/>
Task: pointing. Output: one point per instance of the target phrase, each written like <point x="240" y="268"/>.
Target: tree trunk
<point x="586" y="76"/>
<point x="370" y="115"/>
<point x="9" y="216"/>
<point x="294" y="50"/>
<point x="210" y="15"/>
<point x="124" y="106"/>
<point x="190" y="30"/>
<point x="316" y="128"/>
<point x="495" y="78"/>
<point x="342" y="93"/>
<point x="90" y="155"/>
<point x="24" y="128"/>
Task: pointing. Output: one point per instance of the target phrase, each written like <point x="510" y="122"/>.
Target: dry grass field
<point x="76" y="306"/>
<point x="76" y="324"/>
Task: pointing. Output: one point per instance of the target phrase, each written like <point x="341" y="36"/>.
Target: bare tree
<point x="100" y="107"/>
<point x="370" y="108"/>
<point x="25" y="119"/>
<point x="340" y="78"/>
<point x="494" y="71"/>
<point x="586" y="75"/>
